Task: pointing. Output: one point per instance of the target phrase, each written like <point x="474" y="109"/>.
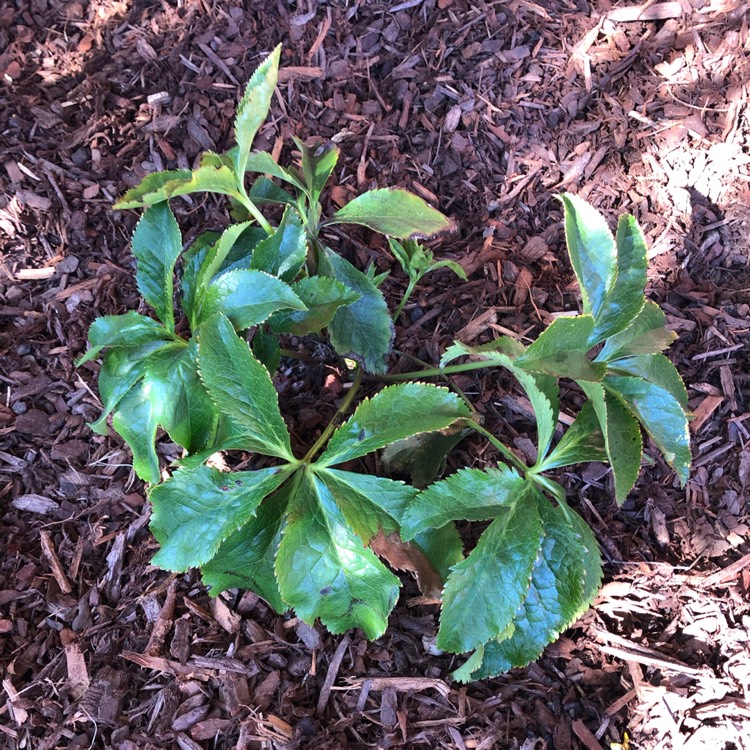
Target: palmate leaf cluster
<point x="309" y="533"/>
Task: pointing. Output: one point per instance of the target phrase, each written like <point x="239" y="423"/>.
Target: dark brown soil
<point x="486" y="109"/>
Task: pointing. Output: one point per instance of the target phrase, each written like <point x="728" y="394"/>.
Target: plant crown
<point x="310" y="533"/>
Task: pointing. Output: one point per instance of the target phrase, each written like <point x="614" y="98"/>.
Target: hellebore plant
<point x="310" y="533"/>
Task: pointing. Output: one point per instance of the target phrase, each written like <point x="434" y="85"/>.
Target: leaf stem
<point x="409" y="289"/>
<point x="434" y="372"/>
<point x="507" y="452"/>
<point x="445" y="378"/>
<point x="345" y="404"/>
<point x="244" y="199"/>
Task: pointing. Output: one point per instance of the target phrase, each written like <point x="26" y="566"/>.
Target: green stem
<point x="507" y="452"/>
<point x="345" y="404"/>
<point x="445" y="378"/>
<point x="244" y="199"/>
<point x="434" y="372"/>
<point x="409" y="289"/>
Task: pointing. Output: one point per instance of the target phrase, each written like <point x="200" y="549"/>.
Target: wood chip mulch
<point x="487" y="109"/>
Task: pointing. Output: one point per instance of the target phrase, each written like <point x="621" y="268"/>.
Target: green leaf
<point x="192" y="261"/>
<point x="662" y="417"/>
<point x="393" y="414"/>
<point x="322" y="296"/>
<point x="128" y="330"/>
<point x="647" y="334"/>
<point x="443" y="547"/>
<point x="246" y="558"/>
<point x="416" y="260"/>
<point x="556" y="597"/>
<point x="265" y="191"/>
<point x="561" y="350"/>
<point x="625" y="299"/>
<point x="583" y="441"/>
<point x="180" y="401"/>
<point x="121" y="369"/>
<point x="324" y="570"/>
<point x="489" y="352"/>
<point x="216" y="255"/>
<point x="283" y="253"/>
<point x="318" y="162"/>
<point x="422" y="457"/>
<point x="162" y="186"/>
<point x="266" y="348"/>
<point x="156" y="245"/>
<point x="248" y="298"/>
<point x="197" y="509"/>
<point x="254" y="106"/>
<point x="135" y="421"/>
<point x="469" y="494"/>
<point x="592" y="251"/>
<point x="369" y="504"/>
<point x="542" y="389"/>
<point x="655" y="368"/>
<point x="362" y="330"/>
<point x="394" y="212"/>
<point x="241" y="388"/>
<point x="484" y="591"/>
<point x="622" y="437"/>
<point x="260" y="161"/>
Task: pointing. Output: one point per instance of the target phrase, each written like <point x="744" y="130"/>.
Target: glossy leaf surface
<point x="241" y="388"/>
<point x="196" y="510"/>
<point x="394" y="212"/>
<point x="396" y="412"/>
<point x="325" y="572"/>
<point x="362" y="330"/>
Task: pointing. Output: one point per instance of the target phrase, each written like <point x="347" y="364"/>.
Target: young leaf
<point x="362" y="330"/>
<point x="197" y="509"/>
<point x="622" y="437"/>
<point x="324" y="570"/>
<point x="128" y="330"/>
<point x="156" y="245"/>
<point x="592" y="251"/>
<point x="248" y="298"/>
<point x="504" y="345"/>
<point x="397" y="213"/>
<point x="655" y="368"/>
<point x="134" y="419"/>
<point x="254" y="107"/>
<point x="468" y="494"/>
<point x="241" y="388"/>
<point x="162" y="186"/>
<point x="121" y="369"/>
<point x="416" y="260"/>
<point x="556" y="597"/>
<point x="561" y="350"/>
<point x="260" y="161"/>
<point x="318" y="162"/>
<point x="246" y="558"/>
<point x="283" y="253"/>
<point x="216" y="255"/>
<point x="625" y="299"/>
<point x="393" y="414"/>
<point x="647" y="334"/>
<point x="484" y="591"/>
<point x="662" y="417"/>
<point x="583" y="441"/>
<point x="192" y="262"/>
<point x="370" y="504"/>
<point x="322" y="296"/>
<point x="180" y="401"/>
